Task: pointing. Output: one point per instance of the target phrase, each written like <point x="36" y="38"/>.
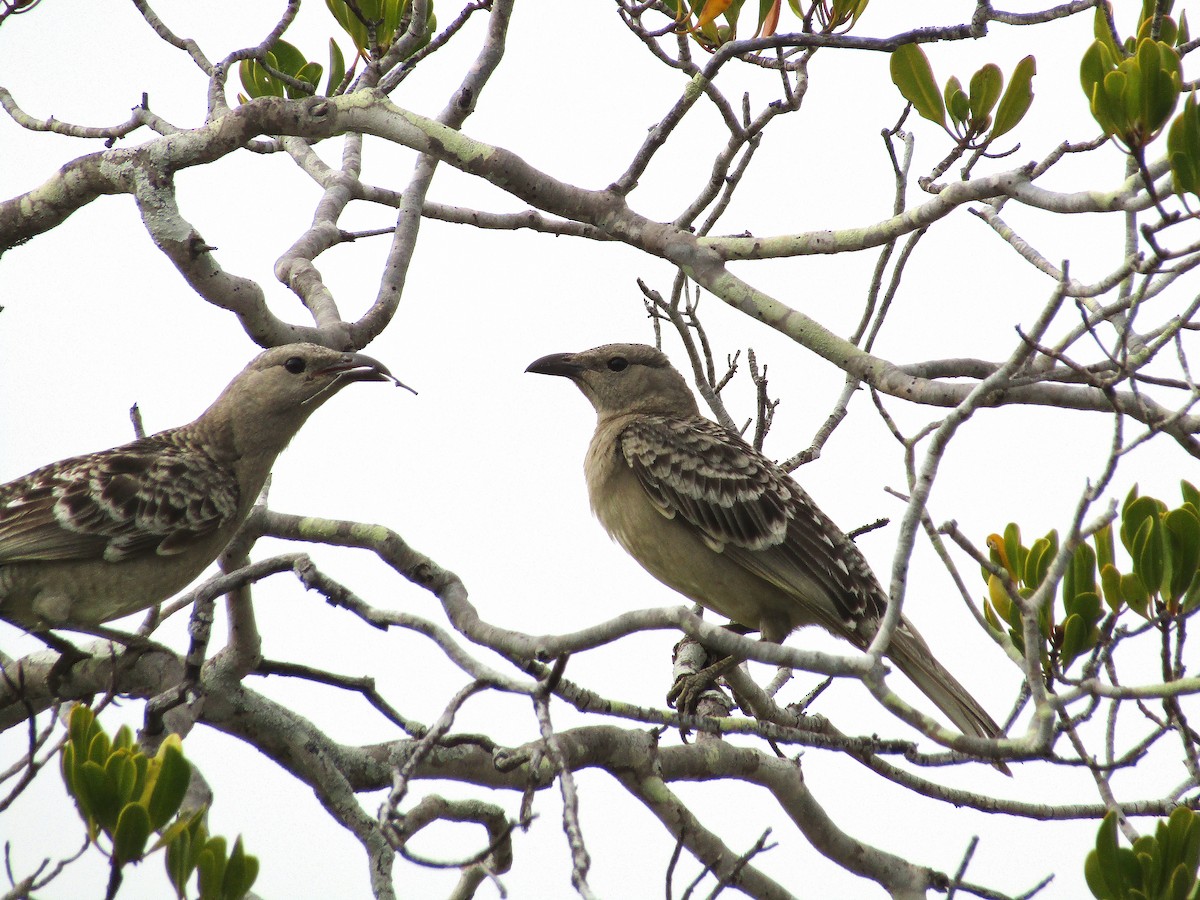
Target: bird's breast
<point x="673" y="551"/>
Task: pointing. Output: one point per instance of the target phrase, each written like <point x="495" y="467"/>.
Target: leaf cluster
<point x="699" y="18"/>
<point x="373" y="26"/>
<point x="1162" y="577"/>
<point x="1133" y="87"/>
<point x="971" y="111"/>
<point x="126" y="797"/>
<point x="1161" y="866"/>
<point x="284" y="57"/>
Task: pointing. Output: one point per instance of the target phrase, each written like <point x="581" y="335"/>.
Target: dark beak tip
<point x="554" y="364"/>
<point x="382" y="374"/>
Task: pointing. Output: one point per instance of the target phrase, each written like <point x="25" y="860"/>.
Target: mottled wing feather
<point x="150" y="496"/>
<point x="746" y="507"/>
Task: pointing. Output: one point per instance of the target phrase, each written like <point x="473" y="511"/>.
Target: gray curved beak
<point x="555" y="364"/>
<point x="360" y="367"/>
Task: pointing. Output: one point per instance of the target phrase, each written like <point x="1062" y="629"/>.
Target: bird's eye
<point x="618" y="364"/>
<point x="295" y="365"/>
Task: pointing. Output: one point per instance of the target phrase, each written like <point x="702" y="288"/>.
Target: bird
<point x="713" y="518"/>
<point x="94" y="538"/>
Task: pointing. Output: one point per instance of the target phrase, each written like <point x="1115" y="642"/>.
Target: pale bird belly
<point x="85" y="593"/>
<point x="670" y="551"/>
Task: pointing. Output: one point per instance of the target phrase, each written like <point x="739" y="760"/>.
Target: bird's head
<point x="623" y="378"/>
<point x="273" y="396"/>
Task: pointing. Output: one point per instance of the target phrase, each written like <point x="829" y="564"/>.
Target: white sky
<point x="482" y="470"/>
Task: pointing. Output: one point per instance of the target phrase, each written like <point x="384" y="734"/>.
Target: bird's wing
<point x="747" y="508"/>
<point x="149" y="496"/>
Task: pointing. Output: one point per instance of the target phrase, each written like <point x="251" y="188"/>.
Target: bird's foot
<point x="691" y="690"/>
<point x="69" y="656"/>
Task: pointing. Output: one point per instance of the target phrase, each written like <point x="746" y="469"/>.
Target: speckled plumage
<point x="96" y="537"/>
<point x="711" y="517"/>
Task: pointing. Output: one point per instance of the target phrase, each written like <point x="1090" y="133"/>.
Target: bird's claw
<point x="69" y="656"/>
<point x="61" y="669"/>
<point x="689" y="690"/>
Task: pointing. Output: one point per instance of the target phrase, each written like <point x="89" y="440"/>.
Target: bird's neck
<point x="247" y="445"/>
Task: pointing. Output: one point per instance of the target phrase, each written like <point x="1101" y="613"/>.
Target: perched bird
<point x="708" y="515"/>
<point x="93" y="538"/>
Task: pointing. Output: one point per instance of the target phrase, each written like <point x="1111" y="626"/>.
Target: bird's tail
<point x="911" y="654"/>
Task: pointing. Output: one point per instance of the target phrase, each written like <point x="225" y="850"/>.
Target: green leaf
<point x="141" y="767"/>
<point x="171" y="784"/>
<point x="310" y="74"/>
<point x="1175" y="833"/>
<point x="1149" y="554"/>
<point x="1074" y="640"/>
<point x="240" y="873"/>
<point x="1191" y="596"/>
<point x="288" y="59"/>
<point x="337" y="68"/>
<point x="1180" y="883"/>
<point x="210" y="867"/>
<point x="67" y="767"/>
<point x="257" y="81"/>
<point x="1097" y="62"/>
<point x="1103" y="539"/>
<point x="1147" y="871"/>
<point x="1017" y="99"/>
<point x="123" y="739"/>
<point x="1108" y="871"/>
<point x="1189" y="852"/>
<point x="132" y="832"/>
<point x="1102" y="32"/>
<point x="1095" y="881"/>
<point x="1160" y="71"/>
<point x="1131" y="869"/>
<point x="101" y="795"/>
<point x="1130" y="499"/>
<point x="179" y="863"/>
<point x="1015" y="549"/>
<point x="986" y="85"/>
<point x="1183" y="151"/>
<point x="1169" y="34"/>
<point x="79" y="726"/>
<point x="1080" y="576"/>
<point x="956" y="102"/>
<point x="1087" y="605"/>
<point x="350" y="24"/>
<point x="1041" y="555"/>
<point x="989" y="613"/>
<point x="1190" y="494"/>
<point x="1116" y="101"/>
<point x="1185" y="174"/>
<point x="1183" y="542"/>
<point x="191" y="824"/>
<point x="960" y="109"/>
<point x="121" y="770"/>
<point x="1137" y="597"/>
<point x="1136" y="511"/>
<point x="912" y="74"/>
<point x="98" y="748"/>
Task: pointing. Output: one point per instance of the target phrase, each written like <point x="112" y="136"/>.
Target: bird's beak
<point x="556" y="364"/>
<point x="360" y="367"/>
